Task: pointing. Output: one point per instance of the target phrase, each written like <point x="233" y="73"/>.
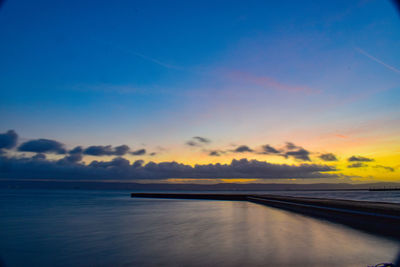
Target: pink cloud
<point x="265" y="81"/>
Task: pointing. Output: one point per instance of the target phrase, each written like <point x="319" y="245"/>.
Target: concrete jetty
<point x="374" y="217"/>
<point x="239" y="197"/>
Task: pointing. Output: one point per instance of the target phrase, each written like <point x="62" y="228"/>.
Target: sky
<point x="200" y="91"/>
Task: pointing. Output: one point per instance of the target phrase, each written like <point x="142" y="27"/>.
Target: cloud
<point x="73" y="157"/>
<point x="202" y="139"/>
<point x="76" y="150"/>
<point x="43" y="146"/>
<point x="106" y="150"/>
<point x="8" y="139"/>
<point x="116" y="162"/>
<point x="386" y="168"/>
<point x="359" y="159"/>
<point x="191" y="143"/>
<point x="138" y="163"/>
<point x="121" y="150"/>
<point x="357" y="165"/>
<point x="300" y="154"/>
<point x="139" y="152"/>
<point x="98" y="150"/>
<point x="291" y="146"/>
<point x="198" y="141"/>
<point x="267" y="149"/>
<point x="328" y="157"/>
<point x="241" y="149"/>
<point x="214" y="153"/>
<point x="290" y="150"/>
<point x="119" y="168"/>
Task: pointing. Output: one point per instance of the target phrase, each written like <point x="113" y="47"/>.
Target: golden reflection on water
<point x="256" y="233"/>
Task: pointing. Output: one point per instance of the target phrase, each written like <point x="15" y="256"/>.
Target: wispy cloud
<point x="386" y="168"/>
<point x="378" y="60"/>
<point x="145" y="57"/>
<point x="266" y="82"/>
<point x="198" y="141"/>
<point x="328" y="157"/>
<point x="359" y="159"/>
<point x="156" y="61"/>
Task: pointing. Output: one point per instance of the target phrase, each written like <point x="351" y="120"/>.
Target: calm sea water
<point x="108" y="228"/>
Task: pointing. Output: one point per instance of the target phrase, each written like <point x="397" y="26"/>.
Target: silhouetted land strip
<point x="384" y="189"/>
<point x="129" y="185"/>
<point x="374" y="217"/>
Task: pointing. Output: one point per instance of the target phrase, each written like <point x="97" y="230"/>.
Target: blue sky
<point x="156" y="73"/>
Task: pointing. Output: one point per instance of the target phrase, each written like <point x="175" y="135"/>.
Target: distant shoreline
<point x="384" y="189"/>
<point x="127" y="185"/>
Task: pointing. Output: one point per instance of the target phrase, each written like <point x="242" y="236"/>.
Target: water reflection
<point x="89" y="228"/>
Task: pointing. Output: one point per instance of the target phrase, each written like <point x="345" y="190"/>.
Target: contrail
<point x="147" y="58"/>
<point x="166" y="65"/>
<point x="150" y="59"/>
<point x="378" y="60"/>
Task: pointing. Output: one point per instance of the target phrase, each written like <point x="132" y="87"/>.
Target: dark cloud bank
<point x="39" y="167"/>
<point x="71" y="167"/>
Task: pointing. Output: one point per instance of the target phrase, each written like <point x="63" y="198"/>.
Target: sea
<point x="109" y="228"/>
